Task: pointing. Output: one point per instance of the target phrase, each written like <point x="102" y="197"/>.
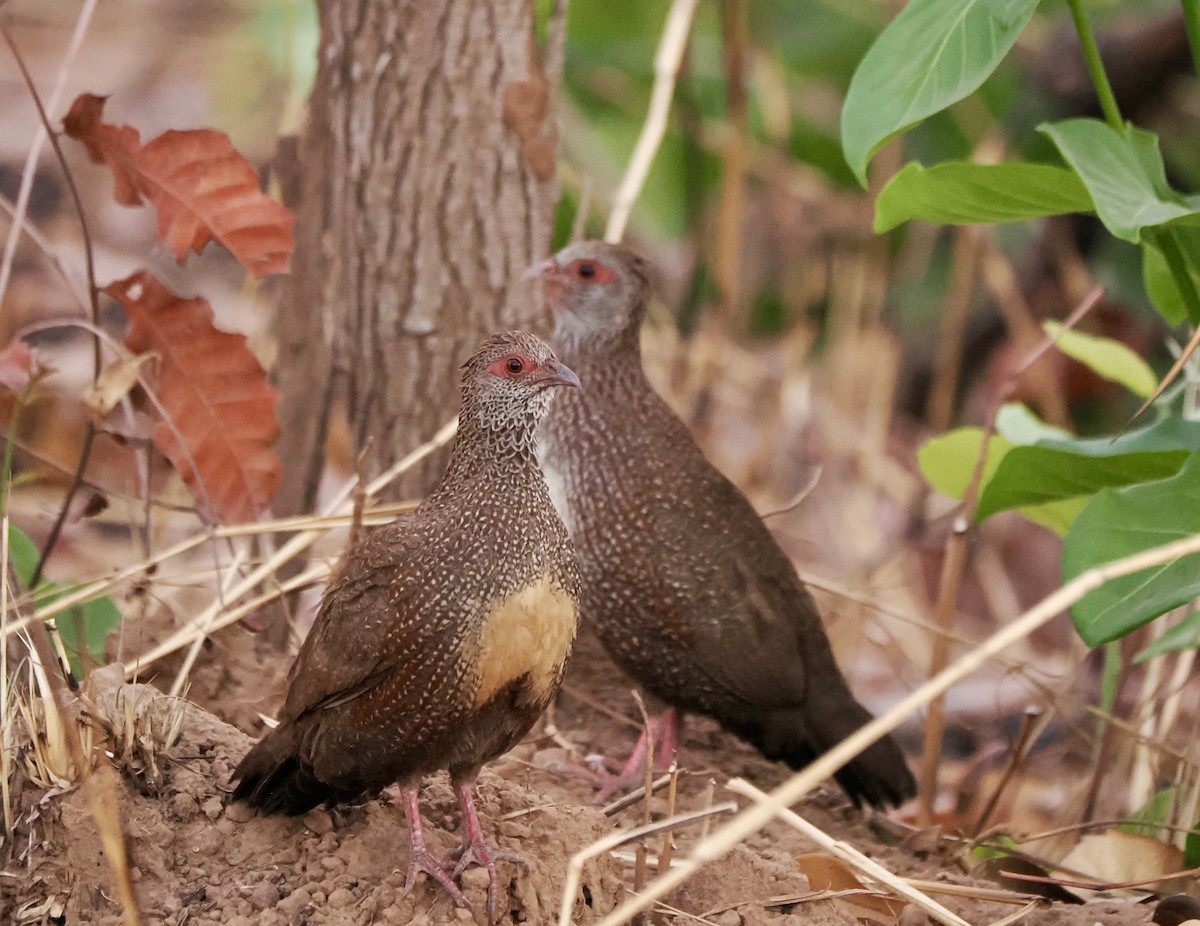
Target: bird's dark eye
<point x="514" y="365"/>
<point x="587" y="270"/>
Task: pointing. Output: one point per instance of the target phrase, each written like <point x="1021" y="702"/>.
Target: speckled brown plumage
<point x="684" y="584"/>
<point x="444" y="635"/>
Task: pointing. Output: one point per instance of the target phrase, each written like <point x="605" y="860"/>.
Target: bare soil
<point x="200" y="860"/>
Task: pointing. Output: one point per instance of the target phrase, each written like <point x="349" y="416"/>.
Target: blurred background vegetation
<point x="811" y="356"/>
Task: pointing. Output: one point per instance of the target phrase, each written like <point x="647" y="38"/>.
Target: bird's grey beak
<point x="539" y="269"/>
<point x="559" y="374"/>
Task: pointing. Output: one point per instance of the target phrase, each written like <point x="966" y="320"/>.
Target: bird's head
<point x="597" y="292"/>
<point x="507" y="383"/>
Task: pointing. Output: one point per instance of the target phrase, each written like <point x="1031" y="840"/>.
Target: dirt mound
<point x="199" y="859"/>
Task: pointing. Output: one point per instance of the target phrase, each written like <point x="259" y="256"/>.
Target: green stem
<point x="1167" y="240"/>
<point x="1191" y="21"/>
<point x="10" y="440"/>
<point x="1091" y="54"/>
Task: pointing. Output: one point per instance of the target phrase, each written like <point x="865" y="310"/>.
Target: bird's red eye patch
<point x="591" y="271"/>
<point x="512" y="366"/>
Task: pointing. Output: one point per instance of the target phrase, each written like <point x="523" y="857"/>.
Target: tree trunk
<point x="427" y="188"/>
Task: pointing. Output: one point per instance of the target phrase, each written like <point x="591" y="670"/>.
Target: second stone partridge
<point x="683" y="583"/>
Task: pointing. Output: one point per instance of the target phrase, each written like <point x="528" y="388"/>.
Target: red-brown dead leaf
<point x="222" y="428"/>
<point x="827" y="873"/>
<point x="202" y="189"/>
<point x="16" y="365"/>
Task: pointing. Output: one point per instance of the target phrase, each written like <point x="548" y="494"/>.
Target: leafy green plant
<point x="1107" y="497"/>
<point x="83" y="628"/>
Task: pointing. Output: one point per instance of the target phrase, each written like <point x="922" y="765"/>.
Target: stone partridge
<point x="682" y="581"/>
<point x="444" y="634"/>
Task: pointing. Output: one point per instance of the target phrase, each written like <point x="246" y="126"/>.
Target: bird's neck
<point x="602" y="364"/>
<point x="484" y="449"/>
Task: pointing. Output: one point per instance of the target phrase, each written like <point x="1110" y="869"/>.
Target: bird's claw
<point x="425" y="861"/>
<point x="485" y="856"/>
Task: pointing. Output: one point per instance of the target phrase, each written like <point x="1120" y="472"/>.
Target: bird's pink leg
<point x="419" y="857"/>
<point x="664" y="732"/>
<point x="475" y="850"/>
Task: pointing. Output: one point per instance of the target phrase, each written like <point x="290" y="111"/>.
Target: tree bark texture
<point x="427" y="189"/>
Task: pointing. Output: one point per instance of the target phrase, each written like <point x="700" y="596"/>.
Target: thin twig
<point x="1032" y="724"/>
<point x="300" y="542"/>
<point x="19" y="209"/>
<point x="853" y="857"/>
<point x="666" y="67"/>
<point x="90" y="591"/>
<point x="43" y="244"/>
<point x="624" y="837"/>
<point x="89" y="432"/>
<point x="639" y="864"/>
<point x="955" y="563"/>
<point x="5" y="796"/>
<point x="755" y="818"/>
<point x="628" y="800"/>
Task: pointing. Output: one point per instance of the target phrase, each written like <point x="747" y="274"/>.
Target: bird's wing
<point x="751" y="627"/>
<point x="368" y="621"/>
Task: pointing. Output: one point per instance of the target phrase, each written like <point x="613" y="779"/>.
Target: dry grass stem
<point x="1176" y="369"/>
<point x="666" y="69"/>
<point x="1087" y="884"/>
<point x="639" y="865"/>
<point x="973" y="891"/>
<point x="628" y="800"/>
<point x="1032" y="725"/>
<point x="318" y="572"/>
<point x="853" y="857"/>
<point x="667" y="854"/>
<point x="1017" y="915"/>
<point x="216" y="616"/>
<point x="39" y="139"/>
<point x="621" y="838"/>
<point x="306" y="531"/>
<point x="954" y="565"/>
<point x="8" y="732"/>
<point x="754" y="818"/>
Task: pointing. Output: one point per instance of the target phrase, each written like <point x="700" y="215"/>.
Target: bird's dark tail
<point x="273" y="777"/>
<point x="879" y="776"/>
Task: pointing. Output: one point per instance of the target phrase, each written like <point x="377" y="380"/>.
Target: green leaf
<point x="1159" y="281"/>
<point x="83" y="628"/>
<point x="1150" y="818"/>
<point x="961" y="193"/>
<point x="1121" y="522"/>
<point x="1183" y="636"/>
<point x="934" y="53"/>
<point x="1058" y="516"/>
<point x="23" y="553"/>
<point x="1105" y="356"/>
<point x="1191" y="848"/>
<point x="1021" y="426"/>
<point x="1051" y="469"/>
<point x="1123" y="172"/>
<point x="948" y="460"/>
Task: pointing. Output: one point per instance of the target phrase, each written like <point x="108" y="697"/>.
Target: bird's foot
<point x="484" y="856"/>
<point x="422" y="860"/>
<point x="609" y="777"/>
<point x="476" y="851"/>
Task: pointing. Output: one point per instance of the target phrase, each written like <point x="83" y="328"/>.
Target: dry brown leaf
<point x="827" y="873"/>
<point x="222" y="428"/>
<point x="1116" y="857"/>
<point x="114" y="383"/>
<point x="202" y="189"/>
<point x="16" y="365"/>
